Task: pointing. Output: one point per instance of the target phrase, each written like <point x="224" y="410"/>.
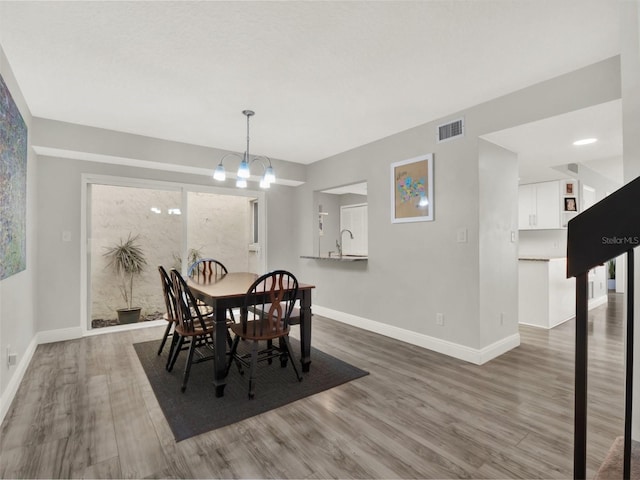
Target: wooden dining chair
<point x="171" y="315"/>
<point x="205" y="269"/>
<point x="265" y="316"/>
<point x="192" y="326"/>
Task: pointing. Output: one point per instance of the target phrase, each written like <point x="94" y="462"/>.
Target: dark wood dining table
<point x="228" y="291"/>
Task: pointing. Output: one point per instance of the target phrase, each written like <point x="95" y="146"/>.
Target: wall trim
<point x="58" y="335"/>
<point x="498" y="348"/>
<point x="461" y="352"/>
<point x="14" y="382"/>
<point x="596" y="302"/>
<point x="593" y="303"/>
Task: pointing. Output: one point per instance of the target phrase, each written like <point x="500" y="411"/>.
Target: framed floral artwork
<point x="412" y="190"/>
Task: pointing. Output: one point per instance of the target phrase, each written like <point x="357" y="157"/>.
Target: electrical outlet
<point x="11" y="357"/>
<point x="440" y="319"/>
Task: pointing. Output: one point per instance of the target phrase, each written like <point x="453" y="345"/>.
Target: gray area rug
<point x="197" y="410"/>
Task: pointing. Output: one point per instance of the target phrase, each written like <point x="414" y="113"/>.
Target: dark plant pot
<point x="128" y="315"/>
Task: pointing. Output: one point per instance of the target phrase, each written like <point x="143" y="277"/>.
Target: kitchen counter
<point x="337" y="258"/>
<point x="546" y="297"/>
<point x="534" y="258"/>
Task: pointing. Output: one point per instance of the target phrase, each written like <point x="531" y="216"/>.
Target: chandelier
<point x="244" y="170"/>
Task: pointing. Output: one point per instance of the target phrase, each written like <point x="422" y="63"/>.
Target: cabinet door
<point x="547" y="205"/>
<point x="526" y="207"/>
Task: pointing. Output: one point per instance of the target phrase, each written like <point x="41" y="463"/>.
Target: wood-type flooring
<point x="85" y="410"/>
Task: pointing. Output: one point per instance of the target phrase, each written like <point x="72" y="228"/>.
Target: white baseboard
<point x="596" y="302"/>
<point x="461" y="352"/>
<point x="124" y="328"/>
<point x="59" y="335"/>
<point x="14" y="382"/>
<point x="593" y="303"/>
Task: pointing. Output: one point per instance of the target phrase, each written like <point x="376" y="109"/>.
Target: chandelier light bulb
<point x="243" y="170"/>
<point x="219" y="173"/>
<point x="269" y="175"/>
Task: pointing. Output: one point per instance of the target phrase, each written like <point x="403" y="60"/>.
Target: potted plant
<point x="127" y="260"/>
<point x="193" y="255"/>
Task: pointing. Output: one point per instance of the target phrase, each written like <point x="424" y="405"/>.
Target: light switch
<point x="462" y="235"/>
<point x="66" y="236"/>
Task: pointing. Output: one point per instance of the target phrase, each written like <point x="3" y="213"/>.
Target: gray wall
<point x="17" y="293"/>
<point x="498" y="250"/>
<point x="417" y="270"/>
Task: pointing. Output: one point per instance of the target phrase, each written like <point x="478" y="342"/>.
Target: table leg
<point x="305" y="330"/>
<point x="220" y="354"/>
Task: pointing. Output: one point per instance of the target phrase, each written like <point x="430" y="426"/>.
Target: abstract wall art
<point x="412" y="190"/>
<point x="13" y="186"/>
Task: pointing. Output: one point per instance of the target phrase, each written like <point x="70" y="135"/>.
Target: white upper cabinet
<point x="539" y="206"/>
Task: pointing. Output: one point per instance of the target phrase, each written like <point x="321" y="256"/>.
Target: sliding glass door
<point x="169" y="225"/>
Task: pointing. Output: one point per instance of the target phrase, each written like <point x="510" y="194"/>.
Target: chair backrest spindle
<point x="189" y="315"/>
<point x="169" y="295"/>
<point x="206" y="269"/>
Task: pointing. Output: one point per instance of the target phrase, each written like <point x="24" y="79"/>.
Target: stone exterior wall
<point x="218" y="226"/>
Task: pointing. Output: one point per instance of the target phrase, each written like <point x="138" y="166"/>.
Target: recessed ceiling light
<point x="585" y="141"/>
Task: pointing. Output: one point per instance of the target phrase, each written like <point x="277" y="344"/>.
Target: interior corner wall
<point x="417" y="270"/>
<point x="18" y="292"/>
<point x="498" y="228"/>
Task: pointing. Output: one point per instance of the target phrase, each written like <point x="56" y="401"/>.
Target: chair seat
<point x="261" y="327"/>
<point x="209" y="327"/>
<point x="294" y="319"/>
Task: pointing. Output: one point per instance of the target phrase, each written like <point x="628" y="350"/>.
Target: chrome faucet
<point x="339" y="242"/>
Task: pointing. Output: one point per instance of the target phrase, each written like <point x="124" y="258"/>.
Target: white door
<point x="354" y="218"/>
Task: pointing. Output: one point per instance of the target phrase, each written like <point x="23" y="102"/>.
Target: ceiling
<point x="322" y="77"/>
<point x="546" y="147"/>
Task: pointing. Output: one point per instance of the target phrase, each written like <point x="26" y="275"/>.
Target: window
<point x="254" y="222"/>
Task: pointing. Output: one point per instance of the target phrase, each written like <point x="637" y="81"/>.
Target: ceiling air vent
<point x="451" y="130"/>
